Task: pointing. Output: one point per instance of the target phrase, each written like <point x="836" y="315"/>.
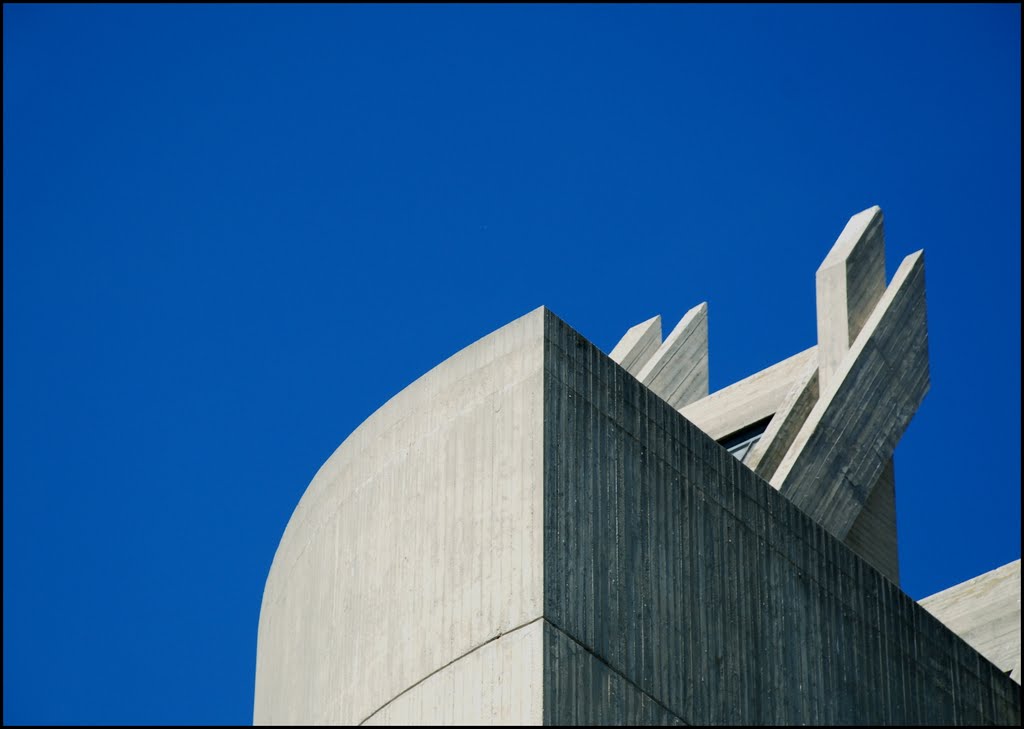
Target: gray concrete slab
<point x="985" y="612"/>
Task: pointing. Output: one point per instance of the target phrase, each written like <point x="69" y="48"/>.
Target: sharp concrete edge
<point x="852" y="431"/>
<point x="678" y="371"/>
<point x="848" y="285"/>
<point x="985" y="612"/>
<point x="751" y="399"/>
<point x="765" y="455"/>
<point x="638" y="345"/>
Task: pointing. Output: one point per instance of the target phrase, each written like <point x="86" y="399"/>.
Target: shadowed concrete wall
<point x="700" y="585"/>
<point x="416" y="543"/>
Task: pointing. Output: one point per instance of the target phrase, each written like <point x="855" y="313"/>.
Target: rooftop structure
<point x="536" y="532"/>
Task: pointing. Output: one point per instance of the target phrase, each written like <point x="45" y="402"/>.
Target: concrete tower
<point x="536" y="532"/>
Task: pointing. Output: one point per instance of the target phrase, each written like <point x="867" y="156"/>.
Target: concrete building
<point x="536" y="532"/>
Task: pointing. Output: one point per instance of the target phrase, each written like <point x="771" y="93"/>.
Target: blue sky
<point x="231" y="233"/>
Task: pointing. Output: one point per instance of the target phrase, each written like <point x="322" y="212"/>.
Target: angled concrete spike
<point x="638" y="345"/>
<point x="766" y="454"/>
<point x="751" y="399"/>
<point x="678" y="371"/>
<point x="985" y="612"/>
<point x="873" y="534"/>
<point x="851" y="432"/>
<point x="849" y="283"/>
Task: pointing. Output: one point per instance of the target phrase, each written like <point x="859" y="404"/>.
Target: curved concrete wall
<point x="416" y="543"/>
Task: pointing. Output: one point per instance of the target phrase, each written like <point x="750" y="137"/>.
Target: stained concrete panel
<point x="985" y="611"/>
<point x="638" y="345"/>
<point x="873" y="534"/>
<point x="581" y="689"/>
<point x="698" y="583"/>
<point x="678" y="370"/>
<point x="419" y="540"/>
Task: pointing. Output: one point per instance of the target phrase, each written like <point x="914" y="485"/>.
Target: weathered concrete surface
<point x="751" y="399"/>
<point x="580" y="689"/>
<point x="681" y="571"/>
<point x="638" y="345"/>
<point x="765" y="456"/>
<point x="849" y="283"/>
<point x="418" y="541"/>
<point x="851" y="432"/>
<point x="985" y="611"/>
<point x="678" y="370"/>
<point x="873" y="534"/>
<point x="499" y="683"/>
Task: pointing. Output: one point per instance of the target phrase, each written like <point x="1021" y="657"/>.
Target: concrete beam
<point x="637" y="346"/>
<point x="849" y="283"/>
<point x="985" y="612"/>
<point x="678" y="371"/>
<point x="765" y="455"/>
<point x="751" y="399"/>
<point x="850" y="434"/>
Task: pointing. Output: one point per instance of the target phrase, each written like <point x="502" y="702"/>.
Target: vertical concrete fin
<point x="851" y="433"/>
<point x="873" y="534"/>
<point x="678" y="371"/>
<point x="637" y="345"/>
<point x="849" y="283"/>
<point x="765" y="455"/>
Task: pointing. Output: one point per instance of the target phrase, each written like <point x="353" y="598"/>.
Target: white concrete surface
<point x="751" y="399"/>
<point x="985" y="612"/>
<point x="638" y="345"/>
<point x="678" y="371"/>
<point x="417" y="542"/>
<point x="849" y="283"/>
<point x="497" y="684"/>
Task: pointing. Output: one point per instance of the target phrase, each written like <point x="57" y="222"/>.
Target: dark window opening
<point x="740" y="442"/>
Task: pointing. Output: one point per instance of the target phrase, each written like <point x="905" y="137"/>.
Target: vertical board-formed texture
<point x="707" y="590"/>
<point x="985" y="611"/>
<point x="851" y="432"/>
<point x="583" y="690"/>
<point x="873" y="535"/>
<point x="499" y="684"/>
<point x="678" y="370"/>
<point x="417" y="542"/>
<point x="638" y="345"/>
